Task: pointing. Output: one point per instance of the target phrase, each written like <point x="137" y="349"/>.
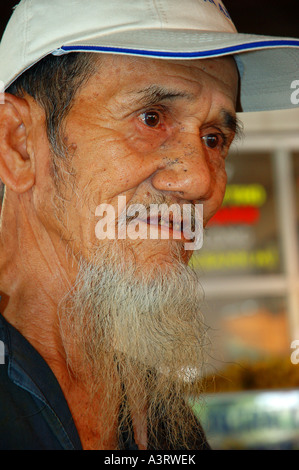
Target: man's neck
<point x="33" y="277"/>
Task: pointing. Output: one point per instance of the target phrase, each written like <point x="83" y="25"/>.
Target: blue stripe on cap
<point x="210" y="53"/>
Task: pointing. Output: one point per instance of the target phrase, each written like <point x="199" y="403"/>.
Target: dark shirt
<point x="34" y="414"/>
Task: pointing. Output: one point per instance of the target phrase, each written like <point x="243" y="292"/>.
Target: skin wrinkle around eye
<point x="226" y="127"/>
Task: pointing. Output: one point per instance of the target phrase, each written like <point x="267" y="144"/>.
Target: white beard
<point x="119" y="322"/>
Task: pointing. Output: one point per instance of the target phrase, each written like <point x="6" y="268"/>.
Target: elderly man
<point x="106" y="100"/>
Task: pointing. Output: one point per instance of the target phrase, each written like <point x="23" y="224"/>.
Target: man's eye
<point x="151" y="118"/>
<point x="213" y="141"/>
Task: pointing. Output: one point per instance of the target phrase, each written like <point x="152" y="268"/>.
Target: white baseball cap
<point x="164" y="29"/>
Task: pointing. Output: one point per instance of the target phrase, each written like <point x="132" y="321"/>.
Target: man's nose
<point x="184" y="169"/>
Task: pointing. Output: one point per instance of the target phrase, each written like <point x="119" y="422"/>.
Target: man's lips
<point x="174" y="227"/>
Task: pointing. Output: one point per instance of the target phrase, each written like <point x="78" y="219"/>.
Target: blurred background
<point x="250" y="269"/>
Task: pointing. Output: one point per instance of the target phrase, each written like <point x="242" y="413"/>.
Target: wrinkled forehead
<point x="128" y="73"/>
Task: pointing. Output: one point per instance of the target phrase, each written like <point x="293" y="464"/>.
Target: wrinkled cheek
<point x="214" y="203"/>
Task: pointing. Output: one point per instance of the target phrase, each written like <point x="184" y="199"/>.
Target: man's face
<point x="147" y="129"/>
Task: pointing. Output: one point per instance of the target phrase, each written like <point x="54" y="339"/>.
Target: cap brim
<point x="267" y="65"/>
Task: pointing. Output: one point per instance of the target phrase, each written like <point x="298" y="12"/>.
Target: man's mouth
<point x="161" y="225"/>
<point x="175" y="225"/>
<point x="155" y="221"/>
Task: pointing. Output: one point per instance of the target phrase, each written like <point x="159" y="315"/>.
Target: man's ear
<point x="17" y="169"/>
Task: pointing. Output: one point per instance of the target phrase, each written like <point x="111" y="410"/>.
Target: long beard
<point x="139" y="341"/>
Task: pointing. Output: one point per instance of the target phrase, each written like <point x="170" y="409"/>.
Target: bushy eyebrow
<point x="155" y="94"/>
<point x="231" y="122"/>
